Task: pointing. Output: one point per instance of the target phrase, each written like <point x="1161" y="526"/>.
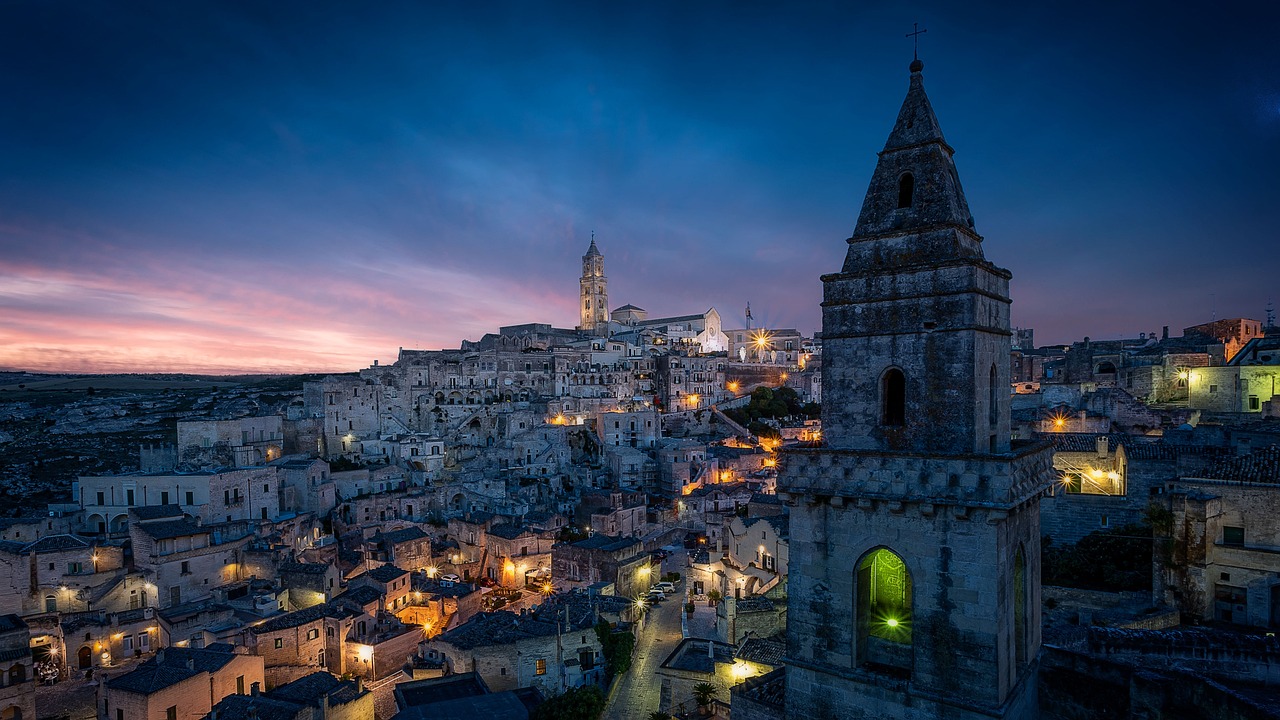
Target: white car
<point x="656" y="595"/>
<point x="665" y="587"/>
<point x="450" y="578"/>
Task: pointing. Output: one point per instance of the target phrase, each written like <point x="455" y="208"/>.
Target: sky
<point x="228" y="187"/>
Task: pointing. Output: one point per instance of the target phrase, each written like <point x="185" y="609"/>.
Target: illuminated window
<point x="883" y="611"/>
<point x="541" y="667"/>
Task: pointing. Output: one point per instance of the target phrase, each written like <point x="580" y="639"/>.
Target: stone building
<point x="317" y="696"/>
<point x="915" y="553"/>
<point x="181" y="557"/>
<point x="618" y="561"/>
<point x="17" y="670"/>
<point x="1224" y="539"/>
<point x="231" y="443"/>
<point x="179" y="684"/>
<point x="553" y="647"/>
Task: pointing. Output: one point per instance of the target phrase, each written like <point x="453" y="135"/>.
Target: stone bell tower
<point x="916" y="593"/>
<point x="594" y="290"/>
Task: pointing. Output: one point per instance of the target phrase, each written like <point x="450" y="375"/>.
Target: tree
<point x="713" y="597"/>
<point x="582" y="703"/>
<point x="703" y="694"/>
<point x="617" y="648"/>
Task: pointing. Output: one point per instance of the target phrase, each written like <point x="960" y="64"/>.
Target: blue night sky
<point x="307" y="186"/>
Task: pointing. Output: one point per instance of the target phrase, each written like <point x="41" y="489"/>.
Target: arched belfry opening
<point x="893" y="398"/>
<point x="993" y="409"/>
<point x="1021" y="607"/>
<point x="882" y="608"/>
<point x="906" y="190"/>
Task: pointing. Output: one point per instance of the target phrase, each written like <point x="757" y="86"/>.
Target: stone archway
<point x="84" y="658"/>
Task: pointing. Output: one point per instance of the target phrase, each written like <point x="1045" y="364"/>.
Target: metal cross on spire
<point x="915" y="54"/>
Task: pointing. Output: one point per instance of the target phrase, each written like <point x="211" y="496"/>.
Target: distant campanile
<point x="915" y="532"/>
<point x="595" y="292"/>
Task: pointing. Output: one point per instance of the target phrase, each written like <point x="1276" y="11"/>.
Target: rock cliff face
<point x="56" y="428"/>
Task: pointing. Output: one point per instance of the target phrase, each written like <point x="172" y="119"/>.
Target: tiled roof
<point x="509" y="531"/>
<point x="150" y="678"/>
<point x="503" y="627"/>
<point x="304" y="568"/>
<point x="11" y="622"/>
<point x="762" y="650"/>
<point x="765" y="499"/>
<point x="384" y="573"/>
<point x="360" y="596"/>
<point x="405" y="535"/>
<point x="260" y="707"/>
<point x="165" y="529"/>
<point x="308" y="689"/>
<point x="54" y="543"/>
<point x="172" y="665"/>
<point x="1260" y="466"/>
<point x="759" y="603"/>
<point x="156" y="512"/>
<point x="768" y="689"/>
<point x="291" y="620"/>
<point x="607" y="543"/>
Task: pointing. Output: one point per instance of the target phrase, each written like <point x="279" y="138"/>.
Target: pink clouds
<point x="172" y="312"/>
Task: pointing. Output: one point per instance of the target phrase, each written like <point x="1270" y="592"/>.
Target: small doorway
<point x="84" y="658"/>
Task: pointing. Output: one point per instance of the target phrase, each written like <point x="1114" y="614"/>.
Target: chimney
<point x="1164" y="335"/>
<point x="253" y="689"/>
<point x="1103" y="449"/>
<point x="160" y="656"/>
<point x="191" y="663"/>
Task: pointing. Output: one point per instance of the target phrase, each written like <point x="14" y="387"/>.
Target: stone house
<point x="240" y="442"/>
<point x="91" y="639"/>
<point x="637" y="428"/>
<point x="305" y="486"/>
<point x="514" y="551"/>
<point x="308" y="583"/>
<point x="1246" y="385"/>
<point x="392" y="584"/>
<point x="682" y="465"/>
<point x="17" y="670"/>
<point x="617" y="514"/>
<point x="756" y="555"/>
<point x="25" y="529"/>
<point x="553" y="647"/>
<point x="620" y="561"/>
<point x="317" y="696"/>
<point x="631" y="467"/>
<point x="183" y="558"/>
<point x="1223" y="542"/>
<point x="295" y="644"/>
<point x="690" y="382"/>
<point x="57" y="573"/>
<point x="179" y="684"/>
<point x="407" y="548"/>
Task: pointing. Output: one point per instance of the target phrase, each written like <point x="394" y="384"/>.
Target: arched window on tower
<point x="1021" y="603"/>
<point x="883" y="610"/>
<point x="906" y="190"/>
<point x="893" y="398"/>
<point x="993" y="408"/>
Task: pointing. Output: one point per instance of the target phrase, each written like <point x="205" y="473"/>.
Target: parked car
<point x="655" y="595"/>
<point x="450" y="578"/>
<point x="665" y="587"/>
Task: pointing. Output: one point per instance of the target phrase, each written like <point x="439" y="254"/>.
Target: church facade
<point x="915" y="583"/>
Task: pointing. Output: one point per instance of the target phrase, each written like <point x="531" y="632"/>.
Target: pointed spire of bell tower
<point x="915" y="187"/>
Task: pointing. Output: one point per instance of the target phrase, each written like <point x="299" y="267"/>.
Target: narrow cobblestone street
<point x="642" y="690"/>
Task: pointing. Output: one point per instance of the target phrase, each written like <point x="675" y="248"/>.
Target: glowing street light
<point x="891" y="622"/>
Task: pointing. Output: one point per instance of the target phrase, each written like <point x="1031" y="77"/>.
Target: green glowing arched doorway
<point x="883" y="610"/>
